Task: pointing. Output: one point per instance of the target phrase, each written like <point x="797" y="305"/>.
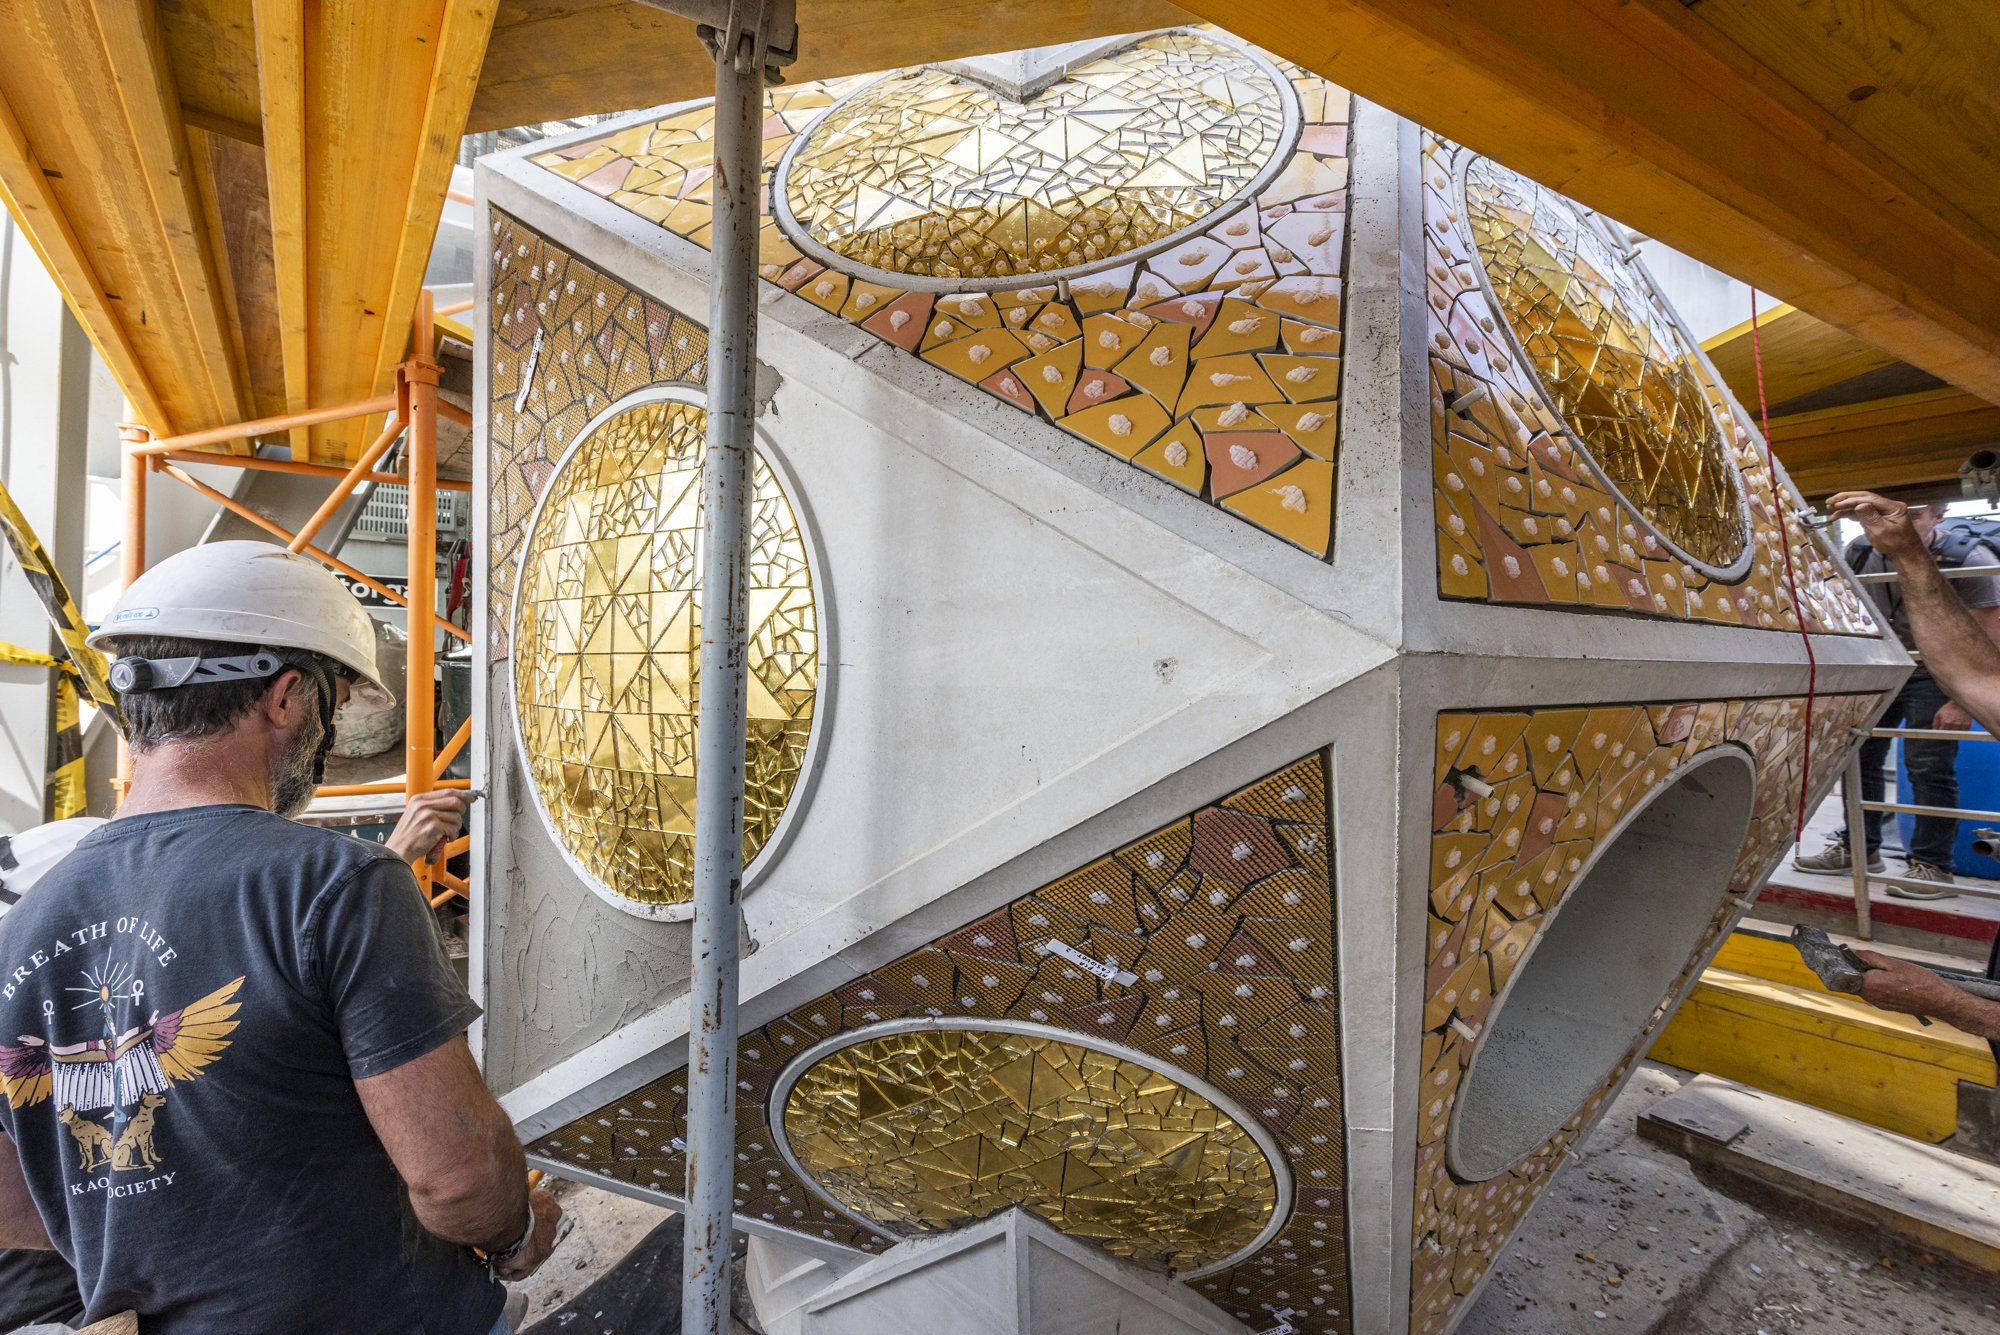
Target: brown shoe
<point x="1834" y="860"/>
<point x="1929" y="872"/>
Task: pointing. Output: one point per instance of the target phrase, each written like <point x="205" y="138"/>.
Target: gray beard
<point x="292" y="772"/>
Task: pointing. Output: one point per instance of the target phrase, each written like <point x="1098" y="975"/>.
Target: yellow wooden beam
<point x="1910" y="440"/>
<point x="24" y="185"/>
<point x="553" y="59"/>
<point x="152" y="124"/>
<point x="281" y="81"/>
<point x="1802" y="355"/>
<point x="1642" y="110"/>
<point x="383" y="95"/>
<point x="1833" y="1052"/>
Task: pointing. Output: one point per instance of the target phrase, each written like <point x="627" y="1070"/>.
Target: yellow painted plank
<point x="1830" y="1051"/>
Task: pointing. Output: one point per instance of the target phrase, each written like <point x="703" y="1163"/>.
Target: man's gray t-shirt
<point x="185" y="1004"/>
<point x="1976" y="591"/>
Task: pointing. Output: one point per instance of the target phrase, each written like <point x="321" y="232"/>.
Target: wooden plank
<point x="553" y="59"/>
<point x="213" y="47"/>
<point x="1833" y="1052"/>
<point x="1908" y="441"/>
<point x="386" y="92"/>
<point x="1931" y="1198"/>
<point x="281" y="70"/>
<point x="152" y="123"/>
<point x="1643" y="111"/>
<point x="460" y="47"/>
<point x="1801" y="355"/>
<point x="1895" y="73"/>
<point x="24" y="187"/>
<point x="230" y="174"/>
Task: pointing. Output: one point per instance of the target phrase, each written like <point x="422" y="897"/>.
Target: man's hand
<point x="1898" y="985"/>
<point x="1886" y="522"/>
<point x="428" y="822"/>
<point x="548" y="1215"/>
<point x="1951" y="717"/>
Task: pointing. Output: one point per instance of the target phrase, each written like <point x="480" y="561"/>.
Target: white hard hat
<point x="26" y="857"/>
<point x="251" y="593"/>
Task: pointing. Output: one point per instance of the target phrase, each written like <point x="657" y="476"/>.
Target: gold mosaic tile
<point x="933" y="1128"/>
<point x="1606" y="468"/>
<point x="1178" y="329"/>
<point x="1225" y="917"/>
<point x="922" y="173"/>
<point x="567" y="341"/>
<point x="1499" y="864"/>
<point x="607" y="635"/>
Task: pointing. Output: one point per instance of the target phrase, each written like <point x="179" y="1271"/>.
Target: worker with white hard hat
<point x="232" y="1049"/>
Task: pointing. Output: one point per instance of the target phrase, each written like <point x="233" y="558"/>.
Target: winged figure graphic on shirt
<point x="107" y="1072"/>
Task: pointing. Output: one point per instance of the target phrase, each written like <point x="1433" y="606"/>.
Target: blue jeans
<point x="500" y="1326"/>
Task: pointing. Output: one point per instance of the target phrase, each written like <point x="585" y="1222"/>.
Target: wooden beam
<point x="152" y="122"/>
<point x="1908" y="441"/>
<point x="281" y="82"/>
<point x="1642" y="110"/>
<point x="24" y="185"/>
<point x="1801" y="356"/>
<point x="553" y="59"/>
<point x="385" y="91"/>
<point x="447" y="97"/>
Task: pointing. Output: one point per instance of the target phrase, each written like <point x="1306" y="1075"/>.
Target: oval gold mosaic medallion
<point x="606" y="634"/>
<point x="1614" y="368"/>
<point x="924" y="175"/>
<point x="922" y="1130"/>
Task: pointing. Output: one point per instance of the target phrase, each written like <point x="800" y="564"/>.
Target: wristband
<point x="493" y="1259"/>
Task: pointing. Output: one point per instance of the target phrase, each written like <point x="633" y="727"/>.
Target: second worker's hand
<point x="548" y="1219"/>
<point x="429" y="821"/>
<point x="1885" y="522"/>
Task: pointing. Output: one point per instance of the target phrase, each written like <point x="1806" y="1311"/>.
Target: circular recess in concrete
<point x="1618" y="372"/>
<point x="607" y="627"/>
<point x="1612" y="950"/>
<point x="914" y="1127"/>
<point x="928" y="179"/>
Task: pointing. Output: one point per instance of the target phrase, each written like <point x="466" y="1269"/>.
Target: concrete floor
<point x="1627" y="1239"/>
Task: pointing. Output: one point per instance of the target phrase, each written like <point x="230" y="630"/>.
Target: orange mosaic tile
<point x="1562" y="779"/>
<point x="1145" y="358"/>
<point x="1584" y="454"/>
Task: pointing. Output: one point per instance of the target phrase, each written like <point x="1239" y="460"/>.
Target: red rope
<point x="1791" y="579"/>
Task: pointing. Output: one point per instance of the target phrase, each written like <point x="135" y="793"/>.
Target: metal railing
<point x="1857" y="809"/>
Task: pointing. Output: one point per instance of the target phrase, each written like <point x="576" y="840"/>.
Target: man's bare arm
<point x="20" y="1222"/>
<point x="456" y="1151"/>
<point x="1956" y="648"/>
<point x="1897" y="985"/>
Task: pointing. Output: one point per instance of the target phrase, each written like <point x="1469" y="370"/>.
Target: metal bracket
<point x="756" y="28"/>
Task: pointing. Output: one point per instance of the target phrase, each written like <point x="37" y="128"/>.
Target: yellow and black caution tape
<point x="63" y="794"/>
<point x="64" y="615"/>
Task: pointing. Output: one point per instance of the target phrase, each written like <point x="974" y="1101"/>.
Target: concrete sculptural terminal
<point x="1274" y="660"/>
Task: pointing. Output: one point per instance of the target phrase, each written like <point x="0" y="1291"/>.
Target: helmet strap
<point x="133" y="674"/>
<point x="163" y="674"/>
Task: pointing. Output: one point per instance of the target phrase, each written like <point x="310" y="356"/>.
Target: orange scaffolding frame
<point x="412" y="407"/>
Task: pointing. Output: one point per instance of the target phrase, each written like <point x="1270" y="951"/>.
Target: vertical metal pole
<point x="1857" y="848"/>
<point x="720" y="716"/>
